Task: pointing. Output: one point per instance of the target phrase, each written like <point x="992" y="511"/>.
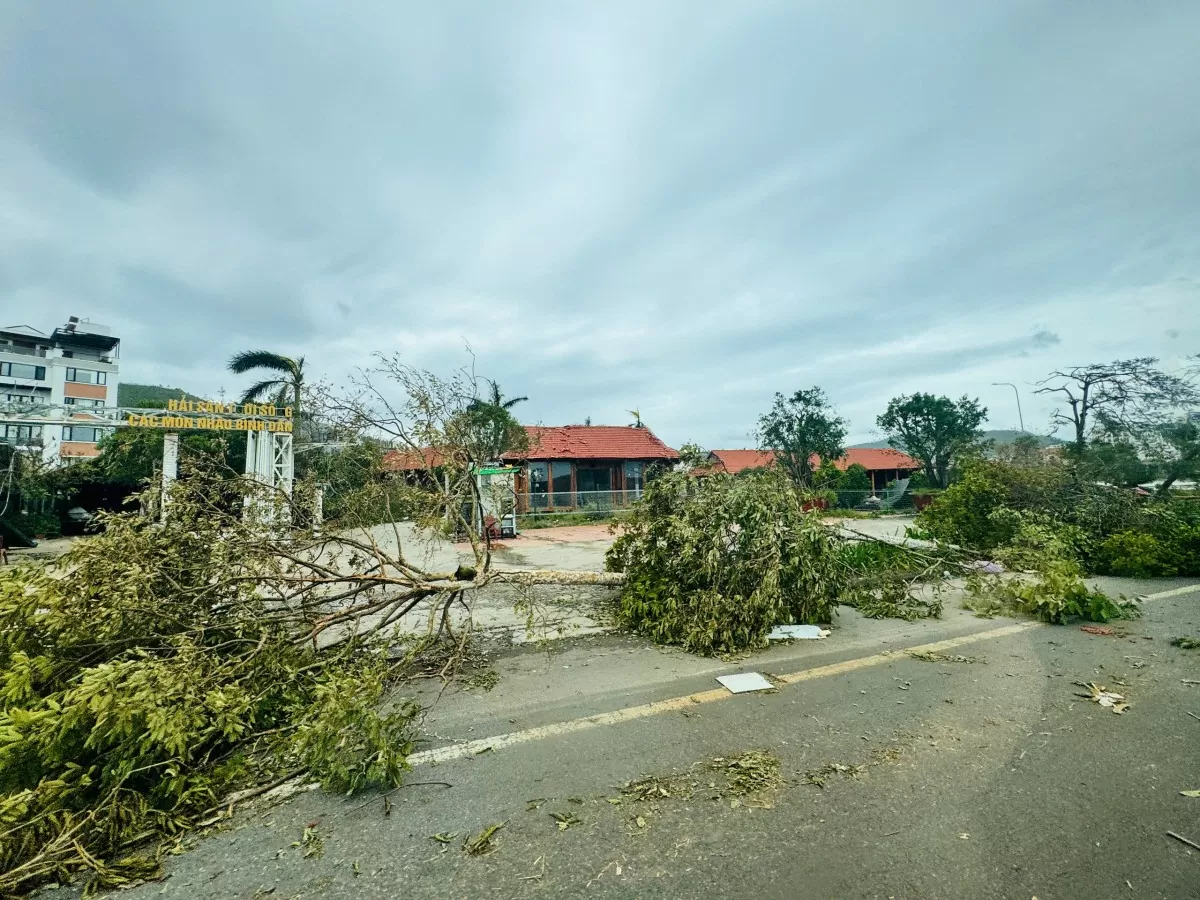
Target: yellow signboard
<point x="215" y="423"/>
<point x="216" y="416"/>
<point x="214" y="406"/>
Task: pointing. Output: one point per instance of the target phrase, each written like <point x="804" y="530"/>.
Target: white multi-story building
<point x="54" y="388"/>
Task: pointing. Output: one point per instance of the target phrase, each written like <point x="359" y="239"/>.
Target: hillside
<point x="999" y="435"/>
<point x="149" y="396"/>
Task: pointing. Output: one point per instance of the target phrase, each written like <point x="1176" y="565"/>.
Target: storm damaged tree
<point x="1124" y="397"/>
<point x="1175" y="447"/>
<point x="802" y="431"/>
<point x="937" y="431"/>
<point x="713" y="564"/>
<point x="159" y="673"/>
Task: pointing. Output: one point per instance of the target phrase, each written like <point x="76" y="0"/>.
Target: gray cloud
<point x="619" y="206"/>
<point x="1044" y="338"/>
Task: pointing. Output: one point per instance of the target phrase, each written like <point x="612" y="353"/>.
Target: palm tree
<point x="496" y="399"/>
<point x="281" y="390"/>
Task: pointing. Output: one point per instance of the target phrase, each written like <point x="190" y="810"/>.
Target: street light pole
<point x="1017" y="394"/>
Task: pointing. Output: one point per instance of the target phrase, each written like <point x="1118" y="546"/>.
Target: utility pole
<point x="1017" y="394"/>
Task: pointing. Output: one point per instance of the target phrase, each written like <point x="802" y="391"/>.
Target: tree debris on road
<point x="1103" y="696"/>
<point x="931" y="656"/>
<point x="483" y="844"/>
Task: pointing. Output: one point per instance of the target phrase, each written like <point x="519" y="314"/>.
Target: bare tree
<point x="1126" y="396"/>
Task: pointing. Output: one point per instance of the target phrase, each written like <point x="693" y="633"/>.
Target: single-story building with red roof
<point x="567" y="467"/>
<point x="586" y="466"/>
<point x="882" y="465"/>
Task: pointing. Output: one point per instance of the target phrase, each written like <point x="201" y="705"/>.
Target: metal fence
<point x="549" y="502"/>
<point x="546" y="505"/>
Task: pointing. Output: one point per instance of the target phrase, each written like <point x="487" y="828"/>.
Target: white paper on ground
<point x="745" y="681"/>
<point x="797" y="633"/>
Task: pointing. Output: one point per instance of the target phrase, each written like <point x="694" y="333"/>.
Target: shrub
<point x="853" y="486"/>
<point x="712" y="565"/>
<point x="37" y="524"/>
<point x="1136" y="554"/>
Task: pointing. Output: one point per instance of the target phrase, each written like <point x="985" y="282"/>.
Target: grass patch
<point x="1186" y="643"/>
<point x="555" y="520"/>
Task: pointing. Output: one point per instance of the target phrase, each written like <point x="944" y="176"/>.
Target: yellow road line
<point x="645" y="710"/>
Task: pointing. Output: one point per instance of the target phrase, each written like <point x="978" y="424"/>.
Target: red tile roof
<point x="593" y="442"/>
<point x="734" y="461"/>
<point x="411" y="460"/>
<point x="871" y="458"/>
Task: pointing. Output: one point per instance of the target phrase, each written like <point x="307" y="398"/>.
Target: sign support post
<point x="170" y="471"/>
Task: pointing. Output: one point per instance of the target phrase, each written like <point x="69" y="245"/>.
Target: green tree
<point x="284" y="385"/>
<point x="131" y="455"/>
<point x="800" y="429"/>
<point x="1025" y="450"/>
<point x="485" y="432"/>
<point x="693" y="456"/>
<point x="487" y="426"/>
<point x="854" y="486"/>
<point x="1113" y="462"/>
<point x="936" y="431"/>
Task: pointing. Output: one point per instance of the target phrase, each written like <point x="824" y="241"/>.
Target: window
<point x="633" y="479"/>
<point x="538" y="486"/>
<point x="20" y="370"/>
<point x="83" y="401"/>
<point x="87" y="376"/>
<point x="22" y="434"/>
<point x="87" y="435"/>
<point x="20" y="398"/>
<point x="594" y="485"/>
<point x="560" y="484"/>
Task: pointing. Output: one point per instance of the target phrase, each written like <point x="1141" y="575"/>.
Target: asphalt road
<point x="982" y="779"/>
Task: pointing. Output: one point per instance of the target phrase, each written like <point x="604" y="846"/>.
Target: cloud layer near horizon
<point x="670" y="207"/>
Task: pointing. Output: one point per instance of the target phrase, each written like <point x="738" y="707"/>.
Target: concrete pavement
<point x="986" y="779"/>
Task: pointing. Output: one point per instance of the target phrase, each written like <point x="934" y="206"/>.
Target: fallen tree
<point x="159" y="669"/>
<point x="713" y="564"/>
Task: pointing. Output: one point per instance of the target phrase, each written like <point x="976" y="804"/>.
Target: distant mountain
<point x="999" y="435"/>
<point x="149" y="396"/>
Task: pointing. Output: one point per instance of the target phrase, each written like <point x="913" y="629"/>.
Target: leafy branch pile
<point x="144" y="679"/>
<point x="713" y="564"/>
<point x="886" y="579"/>
<point x="1057" y="527"/>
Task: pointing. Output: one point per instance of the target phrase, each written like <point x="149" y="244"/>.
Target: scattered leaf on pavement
<point x="444" y="837"/>
<point x="565" y="820"/>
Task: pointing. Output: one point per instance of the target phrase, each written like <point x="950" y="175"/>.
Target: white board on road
<point x="744" y="682"/>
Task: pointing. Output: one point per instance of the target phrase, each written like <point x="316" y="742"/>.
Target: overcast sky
<point x="678" y="207"/>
